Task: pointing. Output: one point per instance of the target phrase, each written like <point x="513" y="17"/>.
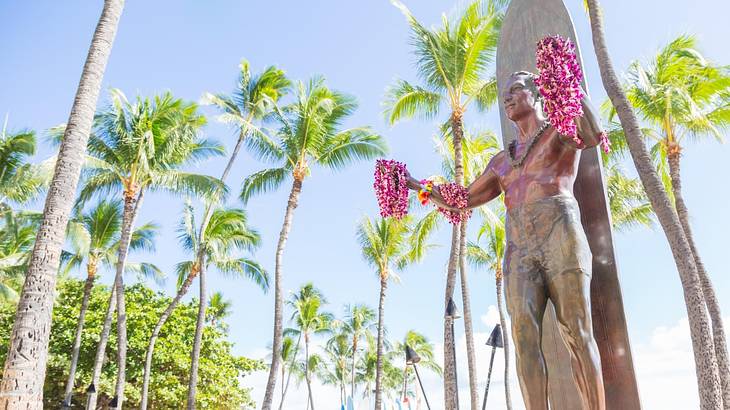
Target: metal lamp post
<point x="411" y="359"/>
<point x="452" y="313"/>
<point x="495" y="340"/>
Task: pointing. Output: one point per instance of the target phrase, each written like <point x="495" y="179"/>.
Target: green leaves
<point x="451" y="60"/>
<point x="263" y="181"/>
<point x="144" y="144"/>
<point x="404" y="101"/>
<point x="222" y="374"/>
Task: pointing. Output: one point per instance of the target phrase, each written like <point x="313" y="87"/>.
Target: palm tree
<point x="94" y="238"/>
<point x="310" y="133"/>
<point x="386" y="246"/>
<point x="492" y="258"/>
<point x="227" y="231"/>
<point x="337" y="352"/>
<point x="25" y="365"/>
<point x="218" y="310"/>
<point x="20" y="180"/>
<point x="17" y="236"/>
<point x="252" y="100"/>
<point x="424" y="348"/>
<point x="359" y="323"/>
<point x="138" y="147"/>
<point x="452" y="62"/>
<point x="289" y="352"/>
<point x="308" y="321"/>
<point x="683" y="96"/>
<point x="709" y="385"/>
<point x="367" y="368"/>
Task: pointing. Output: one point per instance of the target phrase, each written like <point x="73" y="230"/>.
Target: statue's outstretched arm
<point x="485" y="188"/>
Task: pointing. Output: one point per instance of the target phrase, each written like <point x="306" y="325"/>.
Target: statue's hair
<point x="530" y="83"/>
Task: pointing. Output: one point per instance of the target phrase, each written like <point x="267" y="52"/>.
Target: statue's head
<point x="520" y="95"/>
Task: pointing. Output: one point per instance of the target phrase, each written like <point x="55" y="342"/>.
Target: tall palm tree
<point x="17" y="236"/>
<point x="491" y="257"/>
<point x="253" y="99"/>
<point x="137" y="147"/>
<point x="310" y="133"/>
<point x="25" y="364"/>
<point x="709" y="385"/>
<point x="359" y="322"/>
<point x="309" y="320"/>
<point x="683" y="97"/>
<point x="227" y="232"/>
<point x="94" y="238"/>
<point x="452" y="62"/>
<point x="386" y="246"/>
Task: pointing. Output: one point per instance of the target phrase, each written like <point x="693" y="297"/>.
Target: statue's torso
<point x="549" y="169"/>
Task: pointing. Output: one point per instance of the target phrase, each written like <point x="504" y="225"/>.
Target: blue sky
<point x="190" y="47"/>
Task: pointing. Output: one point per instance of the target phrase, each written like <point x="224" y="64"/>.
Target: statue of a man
<point x="547" y="254"/>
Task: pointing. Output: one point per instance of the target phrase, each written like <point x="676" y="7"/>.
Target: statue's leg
<point x="525" y="293"/>
<point x="570" y="293"/>
<point x="568" y="263"/>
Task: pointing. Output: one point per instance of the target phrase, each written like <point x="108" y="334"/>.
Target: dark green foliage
<point x="220" y="371"/>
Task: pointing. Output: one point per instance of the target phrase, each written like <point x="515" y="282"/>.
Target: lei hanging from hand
<point x="559" y="84"/>
<point x="391" y="188"/>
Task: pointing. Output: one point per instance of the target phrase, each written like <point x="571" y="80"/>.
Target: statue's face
<point x="518" y="99"/>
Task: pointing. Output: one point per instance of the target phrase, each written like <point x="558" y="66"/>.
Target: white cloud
<point x="664" y="368"/>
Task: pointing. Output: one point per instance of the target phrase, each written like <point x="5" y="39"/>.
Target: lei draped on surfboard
<point x="559" y="81"/>
<point x="391" y="191"/>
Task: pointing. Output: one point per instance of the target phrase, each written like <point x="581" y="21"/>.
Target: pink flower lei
<point x="391" y="188"/>
<point x="456" y="196"/>
<point x="559" y="84"/>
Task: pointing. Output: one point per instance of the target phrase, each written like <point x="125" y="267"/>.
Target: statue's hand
<point x="413" y="183"/>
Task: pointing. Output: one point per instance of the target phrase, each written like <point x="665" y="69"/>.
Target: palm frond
<point x="404" y="101"/>
<point x="351" y="145"/>
<point x="263" y="181"/>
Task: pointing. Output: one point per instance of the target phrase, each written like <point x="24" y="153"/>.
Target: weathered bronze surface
<point x="526" y="22"/>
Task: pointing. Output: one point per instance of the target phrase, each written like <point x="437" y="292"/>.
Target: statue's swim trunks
<point x="545" y="238"/>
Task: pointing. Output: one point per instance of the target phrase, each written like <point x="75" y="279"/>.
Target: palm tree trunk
<point x="468" y="330"/>
<point x="278" y="297"/>
<point x="25" y="365"/>
<point x="705" y="360"/>
<point x="306" y="371"/>
<point x="450" y="387"/>
<point x="156" y="332"/>
<point x="101" y="349"/>
<point x="505" y="337"/>
<point x="381" y="340"/>
<point x="285" y="386"/>
<point x="197" y="341"/>
<point x="79" y="331"/>
<point x="131" y="205"/>
<point x="708" y="290"/>
<point x="352" y="369"/>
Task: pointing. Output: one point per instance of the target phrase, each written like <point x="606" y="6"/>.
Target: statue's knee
<point x="578" y="332"/>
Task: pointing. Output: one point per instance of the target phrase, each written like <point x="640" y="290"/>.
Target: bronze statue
<point x="547" y="254"/>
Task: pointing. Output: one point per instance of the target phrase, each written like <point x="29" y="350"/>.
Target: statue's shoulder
<point x="498" y="162"/>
